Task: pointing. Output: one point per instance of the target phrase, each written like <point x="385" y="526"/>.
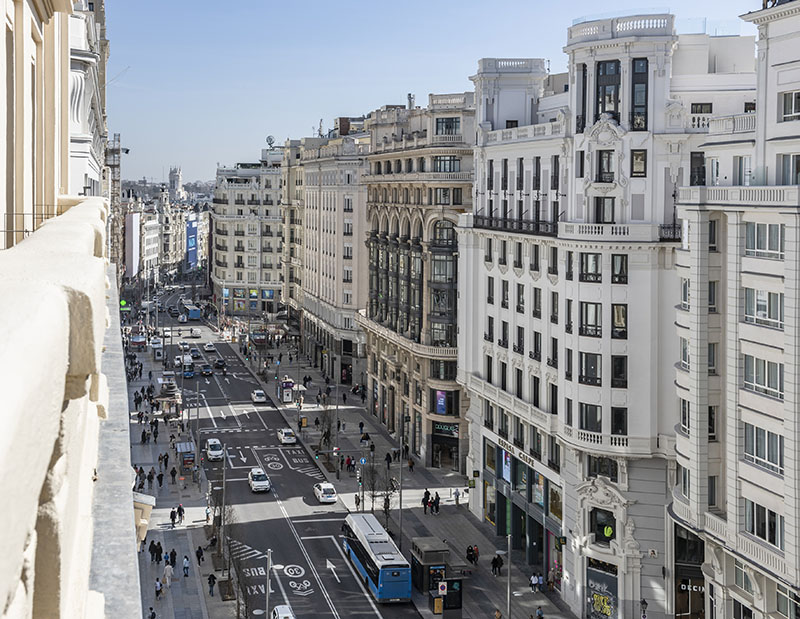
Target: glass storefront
<point x="601" y="586"/>
<point x="489" y="502"/>
<point x="689" y="580"/>
<point x="554" y="502"/>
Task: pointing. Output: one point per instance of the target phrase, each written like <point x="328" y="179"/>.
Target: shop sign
<point x="441" y="402"/>
<point x="267" y="294"/>
<point x="226" y="292"/>
<point x="238" y="293"/>
<point x="254" y="293"/>
<point x="445" y="429"/>
<point x="519" y="454"/>
<point x="602" y="588"/>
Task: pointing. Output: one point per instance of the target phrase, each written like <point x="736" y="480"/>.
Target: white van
<point x="214" y="449"/>
<point x="282" y="612"/>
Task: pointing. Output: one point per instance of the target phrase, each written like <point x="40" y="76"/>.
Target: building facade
<point x="292" y="200"/>
<point x="245" y="228"/>
<point x="334" y="261"/>
<point x="733" y="508"/>
<point x="420" y="180"/>
<point x="572" y="243"/>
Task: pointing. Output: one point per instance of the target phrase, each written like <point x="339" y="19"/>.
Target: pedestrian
<point x="344" y="398"/>
<point x="338" y="425"/>
<point x="173" y="473"/>
<point x="144" y="436"/>
<point x="155" y="435"/>
<point x="426" y="496"/>
<point x="173" y="515"/>
<point x="470" y="554"/>
<point x="151" y="614"/>
<point x="160" y="462"/>
<point x="166" y="558"/>
<point x="494" y="565"/>
<point x="212" y="580"/>
<point x="199" y="554"/>
<point x="361" y="427"/>
<point x="150" y="478"/>
<point x="160" y="478"/>
<point x="436" y="503"/>
<point x="152" y="549"/>
<point x="172" y="557"/>
<point x="185" y="566"/>
<point x="534" y="581"/>
<point x="158" y="589"/>
<point x="456" y="495"/>
<point x="316" y="423"/>
<point x="168" y="573"/>
<point x="208" y="514"/>
<point x="498" y="614"/>
<point x="411" y="465"/>
<point x="388" y="459"/>
<point x="150" y="375"/>
<point x="551" y="579"/>
<point x="181" y="512"/>
<point x="541" y="582"/>
<point x="539" y="613"/>
<point x="363" y="397"/>
<point x="159" y="552"/>
<point x="477" y="553"/>
<point x="499" y="565"/>
<point x="166" y="460"/>
<point x="358" y="501"/>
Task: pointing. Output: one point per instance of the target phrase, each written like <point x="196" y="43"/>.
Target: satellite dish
<point x="270" y="140"/>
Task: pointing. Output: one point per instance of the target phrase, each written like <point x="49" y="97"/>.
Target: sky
<point x="197" y="83"/>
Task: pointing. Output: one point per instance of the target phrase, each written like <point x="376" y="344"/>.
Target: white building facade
<point x="245" y="237"/>
<point x="334" y="257"/>
<point x="736" y="497"/>
<point x="572" y="245"/>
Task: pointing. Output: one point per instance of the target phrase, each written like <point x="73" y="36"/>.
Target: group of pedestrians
<point x="176" y="514"/>
<point x="430" y="502"/>
<point x="537" y="581"/>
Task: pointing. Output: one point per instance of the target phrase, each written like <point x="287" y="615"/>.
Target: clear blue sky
<point x="196" y="83"/>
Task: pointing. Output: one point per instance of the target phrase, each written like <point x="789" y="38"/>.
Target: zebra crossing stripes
<point x="243" y="552"/>
<point x="312" y="471"/>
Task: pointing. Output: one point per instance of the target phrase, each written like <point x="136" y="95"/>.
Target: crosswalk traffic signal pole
<point x="269" y="569"/>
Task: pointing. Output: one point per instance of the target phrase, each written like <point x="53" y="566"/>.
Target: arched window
<point x="444" y="232"/>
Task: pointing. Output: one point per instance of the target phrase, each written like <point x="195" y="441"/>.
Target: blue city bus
<point x="192" y="311"/>
<point x="188" y="366"/>
<point x="375" y="556"/>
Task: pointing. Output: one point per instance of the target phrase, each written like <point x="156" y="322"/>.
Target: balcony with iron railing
<point x="522" y="226"/>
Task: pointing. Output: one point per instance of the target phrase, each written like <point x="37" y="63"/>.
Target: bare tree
<point x="372" y="483"/>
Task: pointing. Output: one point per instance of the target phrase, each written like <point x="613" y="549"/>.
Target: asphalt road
<point x="310" y="571"/>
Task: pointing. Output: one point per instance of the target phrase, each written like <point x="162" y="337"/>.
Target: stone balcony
<point x="65" y="466"/>
<point x="418" y="177"/>
<point x="783" y="196"/>
<point x="423" y="350"/>
<point x="735" y="123"/>
<point x="628" y="26"/>
<point x="629" y="233"/>
<point x="541" y="131"/>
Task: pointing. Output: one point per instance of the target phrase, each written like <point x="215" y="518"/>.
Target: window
<point x="568" y="363"/>
<point x="603" y="525"/>
<point x="787" y="602"/>
<point x="763" y="523"/>
<point x="712" y="357"/>
<point x="520" y="172"/>
<point x="554" y="462"/>
<point x="619" y="321"/>
<point x="521" y="298"/>
<point x="568" y="410"/>
<point x="763" y="308"/>
<point x="712" y="423"/>
<point x="519" y="347"/>
<point x="442" y="196"/>
<point x="443" y="268"/>
<point x="603" y="210"/>
<point x="504" y="293"/>
<point x="638" y="163"/>
<point x="347" y="275"/>
<point x="607" y="467"/>
<point x="536" y="389"/>
<point x="697" y="165"/>
<point x="685" y="411"/>
<point x="683" y="346"/>
<point x="536" y="443"/>
<point x="504" y="175"/>
<point x="591" y="417"/>
<point x="446" y="163"/>
<point x="619" y="421"/>
<point x="742" y="581"/>
<point x="489" y="368"/>
<point x="619" y="371"/>
<point x="763" y="376"/>
<point x="512" y="124"/>
<point x="608" y="81"/>
<point x="639" y="95"/>
<point x="488" y="255"/>
<point x="534" y="257"/>
<point x="742" y="170"/>
<point x="605" y="166"/>
<point x="591" y="319"/>
<point x="490" y="290"/>
<point x="489" y="328"/>
<point x="749" y="107"/>
<point x="554" y="307"/>
<point x="764" y="240"/>
<point x="488" y="416"/>
<point x="590" y="369"/>
<point x="579" y="172"/>
<point x="537" y="345"/>
<point x="490" y="176"/>
<point x="517" y="388"/>
<point x="347" y="297"/>
<point x="712" y="490"/>
<point x="448" y="126"/>
<point x="712" y="235"/>
<point x="552" y="268"/>
<point x="791" y="106"/>
<point x="619" y="269"/>
<point x="457" y="196"/>
<point x="569" y="265"/>
<point x="763" y="448"/>
<point x="591" y="267"/>
<point x="684" y="480"/>
<point x="503" y="334"/>
<point x="537" y="302"/>
<point x="553" y="359"/>
<point x="503" y="253"/>
<point x="685" y="293"/>
<point x="702" y="108"/>
<point x="790" y="169"/>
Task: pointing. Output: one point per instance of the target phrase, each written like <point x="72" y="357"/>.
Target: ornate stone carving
<point x="601" y="493"/>
<point x="629" y="542"/>
<point x="605" y="131"/>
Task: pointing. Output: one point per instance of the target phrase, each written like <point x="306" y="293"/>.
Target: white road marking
<point x="332" y="568"/>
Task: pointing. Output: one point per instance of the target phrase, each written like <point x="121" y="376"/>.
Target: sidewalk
<point x="187" y="598"/>
<point x="483" y="593"/>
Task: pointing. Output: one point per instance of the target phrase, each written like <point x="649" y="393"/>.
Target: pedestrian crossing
<point x="242" y="552"/>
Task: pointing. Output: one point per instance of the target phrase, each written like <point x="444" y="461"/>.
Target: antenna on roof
<point x="270" y="140"/>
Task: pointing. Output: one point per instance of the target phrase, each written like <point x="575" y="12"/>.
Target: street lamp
<point x="643" y="605"/>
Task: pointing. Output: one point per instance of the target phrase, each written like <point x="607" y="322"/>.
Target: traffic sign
<point x="363" y="461"/>
<point x="442" y="588"/>
<point x="123" y="306"/>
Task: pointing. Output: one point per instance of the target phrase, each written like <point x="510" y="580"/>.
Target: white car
<point x="325" y="493"/>
<point x="282" y="612"/>
<point x="287" y="437"/>
<point x="209" y="347"/>
<point x="258" y="396"/>
<point x="214" y="449"/>
<point x="258" y="480"/>
<point x="182" y="318"/>
<point x="178" y="361"/>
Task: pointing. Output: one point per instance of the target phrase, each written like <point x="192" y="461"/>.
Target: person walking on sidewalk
<point x="160" y="478"/>
<point x="344" y="398"/>
<point x="411" y="465"/>
<point x="166" y="460"/>
<point x="173" y="515"/>
<point x="539" y="613"/>
<point x="168" y="573"/>
<point x="456" y="495"/>
<point x="388" y="459"/>
<point x="199" y="554"/>
<point x="534" y="581"/>
<point x="172" y="557"/>
<point x="173" y="473"/>
<point x="436" y="500"/>
<point x="159" y="553"/>
<point x="155" y="434"/>
<point x="494" y="565"/>
<point x="361" y="427"/>
<point x="158" y="589"/>
<point x="185" y="566"/>
<point x="212" y="580"/>
<point x="476" y="553"/>
<point x="551" y="579"/>
<point x="425" y="498"/>
<point x="153" y="550"/>
<point x="151" y="614"/>
<point x="181" y="512"/>
<point x="160" y="462"/>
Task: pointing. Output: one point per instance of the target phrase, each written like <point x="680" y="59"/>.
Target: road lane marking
<point x="296" y="521"/>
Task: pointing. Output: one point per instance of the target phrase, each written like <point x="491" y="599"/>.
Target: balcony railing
<point x="503" y="343"/>
<point x="238" y="232"/>
<point x="589" y="380"/>
<point x="221" y="263"/>
<point x="254" y="202"/>
<point x="520" y="308"/>
<point x="220" y="201"/>
<point x="605" y="177"/>
<point x="503" y="433"/>
<point x="591" y="330"/>
<point x="552" y="361"/>
<point x="523" y="226"/>
<point x="667" y="232"/>
<point x="488" y="337"/>
<point x="591" y="277"/>
<point x="519" y="349"/>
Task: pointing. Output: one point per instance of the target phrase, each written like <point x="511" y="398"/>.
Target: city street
<point x="310" y="571"/>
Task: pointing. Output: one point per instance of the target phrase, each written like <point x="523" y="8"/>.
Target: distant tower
<point x="176" y="184"/>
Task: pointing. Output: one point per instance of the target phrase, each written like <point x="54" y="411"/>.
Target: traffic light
<point x="316" y="455"/>
<point x="358" y="476"/>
